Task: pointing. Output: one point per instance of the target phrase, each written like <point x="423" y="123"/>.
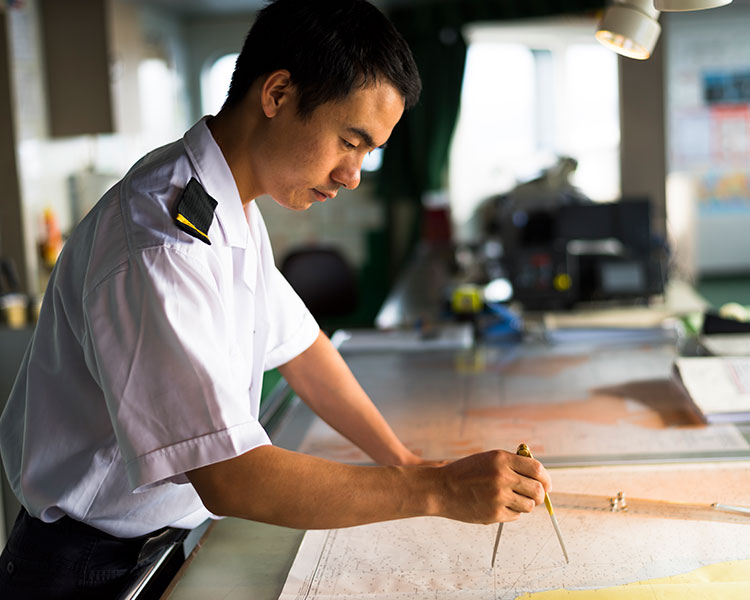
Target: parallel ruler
<point x="621" y="503"/>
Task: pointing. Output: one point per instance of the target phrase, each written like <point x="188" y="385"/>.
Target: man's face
<point x="308" y="160"/>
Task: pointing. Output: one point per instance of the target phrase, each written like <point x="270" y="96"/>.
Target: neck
<point x="234" y="138"/>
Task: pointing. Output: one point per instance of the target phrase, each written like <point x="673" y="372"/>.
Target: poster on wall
<point x="708" y="106"/>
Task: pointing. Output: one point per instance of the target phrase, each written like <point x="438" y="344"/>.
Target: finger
<point x="531" y="489"/>
<point x="532" y="468"/>
<point x="507" y="515"/>
<point x="521" y="504"/>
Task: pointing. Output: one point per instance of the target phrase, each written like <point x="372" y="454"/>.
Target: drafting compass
<point x="523" y="450"/>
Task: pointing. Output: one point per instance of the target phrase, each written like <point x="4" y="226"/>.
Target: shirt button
<point x="10" y="567"/>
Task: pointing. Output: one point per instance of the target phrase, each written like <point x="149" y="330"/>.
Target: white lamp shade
<point x="629" y="31"/>
<point x="681" y="5"/>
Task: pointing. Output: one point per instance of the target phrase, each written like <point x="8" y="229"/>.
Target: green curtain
<point x="416" y="158"/>
<point x="417" y="152"/>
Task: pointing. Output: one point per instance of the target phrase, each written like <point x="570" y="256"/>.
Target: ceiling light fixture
<point x="630" y="28"/>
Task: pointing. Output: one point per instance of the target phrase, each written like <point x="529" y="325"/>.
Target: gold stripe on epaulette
<point x="184" y="221"/>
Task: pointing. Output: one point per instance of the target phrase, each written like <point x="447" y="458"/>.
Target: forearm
<point x="281" y="487"/>
<point x="273" y="485"/>
<point x="321" y="377"/>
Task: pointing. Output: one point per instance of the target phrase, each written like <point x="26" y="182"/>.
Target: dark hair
<point x="329" y="47"/>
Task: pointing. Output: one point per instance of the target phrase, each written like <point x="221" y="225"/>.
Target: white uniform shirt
<point x="148" y="357"/>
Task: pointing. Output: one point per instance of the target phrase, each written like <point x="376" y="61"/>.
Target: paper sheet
<point x="722" y="581"/>
<point x="719" y="386"/>
<point x="581" y="402"/>
<point x="434" y="438"/>
<point x="439" y="559"/>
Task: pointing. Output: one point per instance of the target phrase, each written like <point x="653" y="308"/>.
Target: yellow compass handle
<point x="523" y="450"/>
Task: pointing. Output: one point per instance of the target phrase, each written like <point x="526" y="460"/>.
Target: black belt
<point x="70" y="559"/>
<point x="147" y="546"/>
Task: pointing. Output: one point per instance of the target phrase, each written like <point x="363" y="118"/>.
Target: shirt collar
<point x="216" y="178"/>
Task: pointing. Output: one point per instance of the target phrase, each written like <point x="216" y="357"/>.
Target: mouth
<point x="323" y="196"/>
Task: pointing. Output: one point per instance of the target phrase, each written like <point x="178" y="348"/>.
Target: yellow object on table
<point x="467" y="299"/>
<point x="722" y="581"/>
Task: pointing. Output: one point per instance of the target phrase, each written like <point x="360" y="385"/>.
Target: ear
<point x="276" y="91"/>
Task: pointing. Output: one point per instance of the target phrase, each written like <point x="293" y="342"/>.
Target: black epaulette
<point x="195" y="211"/>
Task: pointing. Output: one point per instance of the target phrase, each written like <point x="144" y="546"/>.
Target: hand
<point x="433" y="463"/>
<point x="492" y="486"/>
<point x="408" y="459"/>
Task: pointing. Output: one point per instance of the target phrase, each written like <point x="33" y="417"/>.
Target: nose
<point x="347" y="173"/>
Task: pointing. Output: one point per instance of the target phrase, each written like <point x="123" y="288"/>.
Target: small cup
<point x="14" y="310"/>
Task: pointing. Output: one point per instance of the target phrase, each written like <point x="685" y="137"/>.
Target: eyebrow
<point x="366" y="137"/>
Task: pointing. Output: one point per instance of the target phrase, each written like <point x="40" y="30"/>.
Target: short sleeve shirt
<point x="148" y="357"/>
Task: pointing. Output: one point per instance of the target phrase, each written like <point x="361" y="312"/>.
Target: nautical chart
<point x="601" y="402"/>
<point x="439" y="559"/>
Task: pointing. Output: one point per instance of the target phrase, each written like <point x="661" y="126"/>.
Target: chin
<point x="294" y="205"/>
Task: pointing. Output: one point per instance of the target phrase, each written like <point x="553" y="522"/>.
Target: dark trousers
<point x="68" y="559"/>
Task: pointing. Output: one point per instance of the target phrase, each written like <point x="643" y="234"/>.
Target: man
<point x="136" y="405"/>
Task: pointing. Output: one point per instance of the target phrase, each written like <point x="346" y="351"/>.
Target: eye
<point x="347" y="145"/>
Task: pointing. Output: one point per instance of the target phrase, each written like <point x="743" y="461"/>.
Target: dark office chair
<point x="323" y="279"/>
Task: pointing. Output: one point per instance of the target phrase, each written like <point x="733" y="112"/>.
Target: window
<point x="532" y="93"/>
<point x="215" y="83"/>
<point x="158" y="88"/>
